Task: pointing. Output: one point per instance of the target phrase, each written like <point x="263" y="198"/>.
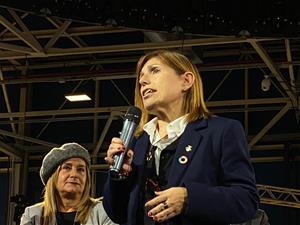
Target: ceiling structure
<point x="44" y="57"/>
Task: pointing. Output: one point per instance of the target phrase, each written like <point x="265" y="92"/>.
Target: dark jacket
<point x="218" y="176"/>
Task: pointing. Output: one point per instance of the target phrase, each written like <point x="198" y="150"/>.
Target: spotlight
<point x="266" y="83"/>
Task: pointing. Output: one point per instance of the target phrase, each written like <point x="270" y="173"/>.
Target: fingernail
<point x="149" y="214"/>
<point x="154" y="218"/>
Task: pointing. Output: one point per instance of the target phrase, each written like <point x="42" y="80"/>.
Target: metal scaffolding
<point x="272" y="195"/>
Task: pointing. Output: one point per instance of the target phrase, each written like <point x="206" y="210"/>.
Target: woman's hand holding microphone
<point x="117" y="147"/>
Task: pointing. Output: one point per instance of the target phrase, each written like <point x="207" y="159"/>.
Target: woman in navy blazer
<point x="187" y="166"/>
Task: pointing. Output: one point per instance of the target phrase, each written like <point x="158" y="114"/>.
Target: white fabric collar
<point x="174" y="130"/>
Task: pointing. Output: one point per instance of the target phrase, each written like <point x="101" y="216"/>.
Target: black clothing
<point x="154" y="182"/>
<point x="66" y="218"/>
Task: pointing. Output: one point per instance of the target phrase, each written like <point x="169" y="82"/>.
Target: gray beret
<point x="58" y="155"/>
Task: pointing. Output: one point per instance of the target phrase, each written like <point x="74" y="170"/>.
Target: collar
<point x="174" y="129"/>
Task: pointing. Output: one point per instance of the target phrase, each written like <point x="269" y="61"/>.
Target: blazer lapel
<point x="187" y="146"/>
<point x="140" y="149"/>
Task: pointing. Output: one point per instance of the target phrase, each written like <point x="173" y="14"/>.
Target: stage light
<point x="266" y="83"/>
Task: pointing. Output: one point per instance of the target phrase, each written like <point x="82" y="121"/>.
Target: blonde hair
<point x="193" y="104"/>
<point x="51" y="200"/>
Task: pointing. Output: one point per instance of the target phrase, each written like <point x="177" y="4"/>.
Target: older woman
<point x="65" y="174"/>
<point x="187" y="167"/>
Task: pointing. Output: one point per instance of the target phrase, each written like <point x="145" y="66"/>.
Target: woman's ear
<point x="188" y="80"/>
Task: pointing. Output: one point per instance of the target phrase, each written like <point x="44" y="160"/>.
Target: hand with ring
<point x="167" y="203"/>
<point x="116" y="147"/>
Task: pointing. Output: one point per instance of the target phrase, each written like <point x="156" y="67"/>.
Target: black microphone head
<point x="133" y="113"/>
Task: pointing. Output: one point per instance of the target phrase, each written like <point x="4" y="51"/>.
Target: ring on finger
<point x="165" y="205"/>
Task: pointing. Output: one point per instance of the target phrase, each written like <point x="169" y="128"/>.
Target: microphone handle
<point x="118" y="162"/>
<point x="126" y="136"/>
<point x="127" y="132"/>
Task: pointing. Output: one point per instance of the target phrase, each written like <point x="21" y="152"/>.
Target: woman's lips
<point x="147" y="92"/>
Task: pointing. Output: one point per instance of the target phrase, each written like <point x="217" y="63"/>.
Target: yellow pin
<point x="188" y="148"/>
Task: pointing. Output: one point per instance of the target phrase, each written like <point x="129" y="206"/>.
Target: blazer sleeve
<point x="98" y="215"/>
<point x="116" y="197"/>
<point x="25" y="219"/>
<point x="234" y="199"/>
<point x="31" y="215"/>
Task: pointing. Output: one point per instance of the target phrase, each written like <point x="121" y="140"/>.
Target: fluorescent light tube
<point x="77" y="97"/>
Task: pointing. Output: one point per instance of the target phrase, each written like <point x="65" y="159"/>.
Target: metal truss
<point x="272" y="195"/>
<point x="20" y="43"/>
<point x="28" y="53"/>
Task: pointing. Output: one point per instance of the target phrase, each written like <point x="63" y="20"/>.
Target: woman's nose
<point x="144" y="80"/>
<point x="73" y="172"/>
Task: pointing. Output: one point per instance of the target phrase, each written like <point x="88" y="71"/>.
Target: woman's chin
<point x="72" y="189"/>
<point x="71" y="193"/>
<point x="150" y="108"/>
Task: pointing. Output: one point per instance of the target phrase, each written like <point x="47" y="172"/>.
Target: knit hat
<point x="57" y="155"/>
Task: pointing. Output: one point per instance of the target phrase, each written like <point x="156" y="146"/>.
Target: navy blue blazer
<point x="218" y="176"/>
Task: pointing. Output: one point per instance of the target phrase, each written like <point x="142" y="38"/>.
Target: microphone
<point x="131" y="121"/>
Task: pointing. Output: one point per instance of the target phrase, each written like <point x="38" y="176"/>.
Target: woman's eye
<point x="81" y="170"/>
<point x="154" y="70"/>
<point x="66" y="167"/>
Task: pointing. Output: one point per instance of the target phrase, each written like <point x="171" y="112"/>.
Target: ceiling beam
<point x="15" y="63"/>
<point x="274" y="70"/>
<point x="271" y="123"/>
<point x="76" y="40"/>
<point x="234" y="65"/>
<point x="255" y="101"/>
<point x="16" y="48"/>
<point x="104" y="132"/>
<point x="29" y="139"/>
<point x="4" y="32"/>
<point x="241" y="102"/>
<point x="72" y="31"/>
<point x="290" y="65"/>
<point x="7" y="102"/>
<point x="63" y="112"/>
<point x="10" y="151"/>
<point x="58" y="34"/>
<point x="32" y="40"/>
<point x="151" y="45"/>
<point x="26" y="37"/>
<point x="52" y="52"/>
<point x="219" y="85"/>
